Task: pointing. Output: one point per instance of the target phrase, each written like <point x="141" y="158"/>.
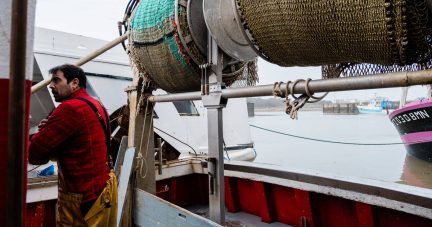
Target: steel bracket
<point x="214" y="100"/>
<point x="212" y="173"/>
<point x="301" y="100"/>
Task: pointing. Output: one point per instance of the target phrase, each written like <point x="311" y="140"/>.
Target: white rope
<point x="140" y="156"/>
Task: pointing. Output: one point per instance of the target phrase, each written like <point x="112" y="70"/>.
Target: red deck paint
<point x="365" y="215"/>
<point x="163" y="189"/>
<point x="41" y="214"/>
<point x="247" y="196"/>
<point x="284" y="204"/>
<point x="288" y="205"/>
<point x="184" y="190"/>
<point x="393" y="218"/>
<point x="265" y="198"/>
<point x="4" y="103"/>
<point x="304" y="206"/>
<point x="4" y="115"/>
<point x="38" y="218"/>
<point x="337" y="212"/>
<point x="231" y="195"/>
<point x="202" y="182"/>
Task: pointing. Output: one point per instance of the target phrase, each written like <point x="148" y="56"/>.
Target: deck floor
<point x="239" y="219"/>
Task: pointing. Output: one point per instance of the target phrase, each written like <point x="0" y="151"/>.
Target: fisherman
<point x="78" y="134"/>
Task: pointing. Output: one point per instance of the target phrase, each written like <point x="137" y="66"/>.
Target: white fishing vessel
<point x="377" y="105"/>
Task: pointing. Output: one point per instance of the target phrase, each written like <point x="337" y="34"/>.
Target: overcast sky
<point x="98" y="19"/>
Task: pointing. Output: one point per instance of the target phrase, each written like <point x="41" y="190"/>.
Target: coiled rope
<point x="337" y="142"/>
<point x="293" y="107"/>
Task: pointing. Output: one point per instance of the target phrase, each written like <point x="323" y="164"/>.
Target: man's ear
<point x="75" y="83"/>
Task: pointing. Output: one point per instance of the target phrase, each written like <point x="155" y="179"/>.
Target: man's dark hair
<point x="71" y="72"/>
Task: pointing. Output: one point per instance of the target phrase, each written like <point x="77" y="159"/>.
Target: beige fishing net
<point x="351" y="38"/>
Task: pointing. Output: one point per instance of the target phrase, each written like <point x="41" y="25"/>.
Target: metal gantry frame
<point x="214" y="103"/>
<point x="217" y="99"/>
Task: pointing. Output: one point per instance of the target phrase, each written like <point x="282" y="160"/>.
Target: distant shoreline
<point x="282" y="109"/>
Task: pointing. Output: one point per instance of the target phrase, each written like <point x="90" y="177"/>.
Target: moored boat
<point x="377" y="105"/>
<point x="414" y="124"/>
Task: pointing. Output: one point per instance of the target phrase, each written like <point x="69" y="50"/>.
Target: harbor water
<point x="380" y="162"/>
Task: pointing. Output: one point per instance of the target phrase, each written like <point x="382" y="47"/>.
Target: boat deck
<point x="239" y="219"/>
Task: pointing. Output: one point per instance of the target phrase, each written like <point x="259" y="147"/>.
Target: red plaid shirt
<point x="75" y="134"/>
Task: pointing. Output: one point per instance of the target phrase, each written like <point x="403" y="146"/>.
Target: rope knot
<point x="277" y="92"/>
<point x="293" y="107"/>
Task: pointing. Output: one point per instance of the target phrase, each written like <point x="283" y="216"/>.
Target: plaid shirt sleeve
<point x="60" y="126"/>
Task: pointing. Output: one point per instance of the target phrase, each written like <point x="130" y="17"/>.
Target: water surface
<point x="384" y="163"/>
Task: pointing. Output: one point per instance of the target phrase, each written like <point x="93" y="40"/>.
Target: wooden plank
<point x="146" y="175"/>
<point x="120" y="156"/>
<point x="124" y="182"/>
<point x="149" y="210"/>
<point x="141" y="136"/>
<point x="127" y="212"/>
<point x="365" y="215"/>
<point x="265" y="202"/>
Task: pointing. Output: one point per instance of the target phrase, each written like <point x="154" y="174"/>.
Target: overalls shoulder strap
<point x="105" y="126"/>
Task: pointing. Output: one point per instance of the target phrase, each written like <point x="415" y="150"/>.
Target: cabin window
<point x="186" y="108"/>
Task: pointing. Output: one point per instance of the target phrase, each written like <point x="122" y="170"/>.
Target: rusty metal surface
<point x="150" y="211"/>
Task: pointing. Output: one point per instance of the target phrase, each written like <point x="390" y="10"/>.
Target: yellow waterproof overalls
<point x="102" y="214"/>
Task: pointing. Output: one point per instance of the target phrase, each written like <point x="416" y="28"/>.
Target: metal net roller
<point x="155" y="48"/>
<point x="347" y="38"/>
<point x="158" y="53"/>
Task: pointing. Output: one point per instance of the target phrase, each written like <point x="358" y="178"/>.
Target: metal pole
<point x="385" y="80"/>
<point x="84" y="60"/>
<point x="214" y="105"/>
<point x="16" y="166"/>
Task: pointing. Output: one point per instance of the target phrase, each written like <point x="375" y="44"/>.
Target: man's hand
<point x="42" y="124"/>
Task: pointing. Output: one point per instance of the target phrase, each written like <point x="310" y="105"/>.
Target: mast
<point x="16" y="64"/>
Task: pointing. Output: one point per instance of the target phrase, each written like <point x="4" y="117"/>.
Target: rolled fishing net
<point x="348" y="38"/>
<point x="157" y="52"/>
